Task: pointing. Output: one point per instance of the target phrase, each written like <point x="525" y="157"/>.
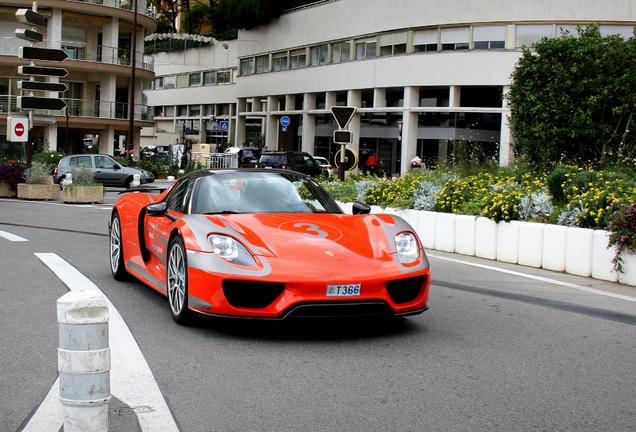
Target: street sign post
<point x="47" y="54"/>
<point x="41" y="86"/>
<point x="343" y="136"/>
<point x="17" y="129"/>
<point x="285" y="122"/>
<point x="30" y="101"/>
<point x="40" y="103"/>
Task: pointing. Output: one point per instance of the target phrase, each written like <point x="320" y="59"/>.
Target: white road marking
<point x="539" y="278"/>
<point x="12" y="237"/>
<point x="132" y="381"/>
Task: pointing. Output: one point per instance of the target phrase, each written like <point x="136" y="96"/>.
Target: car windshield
<point x="275" y="159"/>
<point x="259" y="192"/>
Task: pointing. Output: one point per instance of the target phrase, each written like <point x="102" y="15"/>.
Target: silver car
<point x="106" y="170"/>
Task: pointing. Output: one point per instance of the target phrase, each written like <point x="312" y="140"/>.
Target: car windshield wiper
<point x="222" y="212"/>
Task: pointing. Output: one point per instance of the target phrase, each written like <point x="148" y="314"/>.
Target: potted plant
<point x="83" y="188"/>
<point x="38" y="184"/>
<point x="11" y="173"/>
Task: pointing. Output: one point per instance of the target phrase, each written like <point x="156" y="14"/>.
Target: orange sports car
<point x="268" y="244"/>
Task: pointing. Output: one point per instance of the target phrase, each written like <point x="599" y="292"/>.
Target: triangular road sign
<point x="343" y="115"/>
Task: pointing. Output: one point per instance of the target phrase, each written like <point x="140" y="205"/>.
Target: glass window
<point x="183" y="81"/>
<point x="341" y="52"/>
<point x="425" y="40"/>
<point x="179" y="198"/>
<point x="224" y="77"/>
<point x="262" y="64"/>
<point x="195" y="79"/>
<point x="526" y="35"/>
<point x="247" y="66"/>
<point x="183" y="110"/>
<point x="280" y="62"/>
<point x="158" y="83"/>
<point x="169" y="82"/>
<point x="81" y="161"/>
<point x="209" y="78"/>
<point x="319" y="54"/>
<point x="365" y="50"/>
<point x="298" y="59"/>
<point x="169" y="111"/>
<point x="455" y="38"/>
<point x="489" y="37"/>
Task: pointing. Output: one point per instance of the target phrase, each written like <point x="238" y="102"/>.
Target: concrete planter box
<point x="5" y="189"/>
<point x="38" y="191"/>
<point x="84" y="194"/>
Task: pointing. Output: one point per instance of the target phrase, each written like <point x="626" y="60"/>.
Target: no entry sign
<point x="18" y="129"/>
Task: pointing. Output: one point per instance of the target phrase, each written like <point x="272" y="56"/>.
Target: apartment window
<point x="183" y="81"/>
<point x="169" y="82"/>
<point x="183" y="110"/>
<point x="195" y="111"/>
<point x="262" y="64"/>
<point x="298" y="58"/>
<point x="158" y="111"/>
<point x="526" y="35"/>
<point x="425" y="40"/>
<point x="169" y="111"/>
<point x="455" y="38"/>
<point x="489" y="37"/>
<point x="247" y="66"/>
<point x="195" y="79"/>
<point x="223" y="77"/>
<point x="319" y="54"/>
<point x="209" y="78"/>
<point x="74" y="42"/>
<point x="341" y="52"/>
<point x="279" y="62"/>
<point x="392" y="44"/>
<point x="158" y="83"/>
<point x="365" y="50"/>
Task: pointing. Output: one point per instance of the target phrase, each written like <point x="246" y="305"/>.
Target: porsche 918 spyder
<point x="265" y="243"/>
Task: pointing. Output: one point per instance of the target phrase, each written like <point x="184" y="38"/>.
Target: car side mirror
<point x="359" y="208"/>
<point x="156" y="209"/>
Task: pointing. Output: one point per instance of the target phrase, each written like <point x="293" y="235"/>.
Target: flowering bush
<point x="49" y="159"/>
<point x="12" y="173"/>
<point x="622" y="228"/>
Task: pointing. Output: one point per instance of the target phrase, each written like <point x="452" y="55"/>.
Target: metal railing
<point x="142" y="6"/>
<point x="78" y="51"/>
<point x="215" y="160"/>
<point x="86" y="108"/>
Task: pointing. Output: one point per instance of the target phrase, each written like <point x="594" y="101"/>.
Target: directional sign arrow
<point x="40" y="103"/>
<point x="28" y="35"/>
<point x="343" y="115"/>
<point x="42" y="71"/>
<point x="48" y="54"/>
<point x="29" y="16"/>
<point x="42" y="86"/>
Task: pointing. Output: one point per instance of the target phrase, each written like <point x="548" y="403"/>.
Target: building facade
<point x="98" y="37"/>
<point x="428" y="78"/>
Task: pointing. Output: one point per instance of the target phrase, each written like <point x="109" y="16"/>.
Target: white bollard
<point x="67" y="180"/>
<point x="84" y="360"/>
<point x="136" y="180"/>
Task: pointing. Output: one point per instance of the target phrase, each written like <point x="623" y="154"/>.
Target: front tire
<point x="177" y="281"/>
<point x="117" y="267"/>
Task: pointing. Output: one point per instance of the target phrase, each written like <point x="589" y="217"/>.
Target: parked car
<point x="226" y="242"/>
<point x="155" y="152"/>
<point x="325" y="165"/>
<point x="106" y="170"/>
<point x="247" y="156"/>
<point x="293" y="160"/>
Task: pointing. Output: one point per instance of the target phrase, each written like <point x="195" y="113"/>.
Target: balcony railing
<point x="79" y="51"/>
<point x="142" y="6"/>
<point x="86" y="108"/>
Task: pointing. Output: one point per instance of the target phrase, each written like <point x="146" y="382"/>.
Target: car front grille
<point x="248" y="294"/>
<point x="405" y="290"/>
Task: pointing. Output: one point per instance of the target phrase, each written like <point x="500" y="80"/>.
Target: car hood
<point x="317" y="238"/>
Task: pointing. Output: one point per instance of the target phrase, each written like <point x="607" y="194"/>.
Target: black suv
<point x="296" y="161"/>
<point x="247" y="156"/>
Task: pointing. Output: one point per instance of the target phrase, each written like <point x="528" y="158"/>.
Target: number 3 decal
<point x="311" y="230"/>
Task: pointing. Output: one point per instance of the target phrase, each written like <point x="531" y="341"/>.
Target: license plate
<point x="348" y="290"/>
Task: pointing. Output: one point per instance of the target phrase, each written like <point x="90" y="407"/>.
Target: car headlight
<point x="407" y="247"/>
<point x="231" y="250"/>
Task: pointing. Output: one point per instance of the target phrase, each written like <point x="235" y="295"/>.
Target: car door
<point x="108" y="171"/>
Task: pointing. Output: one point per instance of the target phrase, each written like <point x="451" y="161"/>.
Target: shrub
<point x="38" y="173"/>
<point x="49" y="159"/>
<point x="82" y="176"/>
<point x="12" y="173"/>
<point x="425" y="196"/>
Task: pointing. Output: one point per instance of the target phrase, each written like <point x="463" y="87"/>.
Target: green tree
<point x="572" y="99"/>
